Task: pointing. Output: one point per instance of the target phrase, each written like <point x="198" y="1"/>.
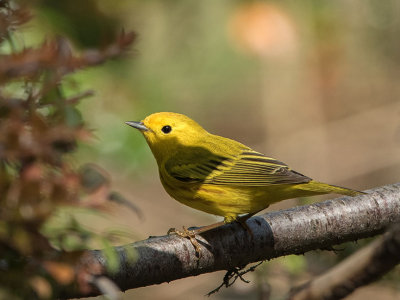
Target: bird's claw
<point x="191" y="235"/>
<point x="172" y="231"/>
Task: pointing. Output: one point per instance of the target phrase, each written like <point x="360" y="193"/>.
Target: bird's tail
<point x="324" y="188"/>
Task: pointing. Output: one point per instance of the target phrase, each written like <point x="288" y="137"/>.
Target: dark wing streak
<point x="203" y="170"/>
<point x="195" y="172"/>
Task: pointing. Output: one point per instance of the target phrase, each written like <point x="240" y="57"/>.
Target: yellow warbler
<point x="218" y="175"/>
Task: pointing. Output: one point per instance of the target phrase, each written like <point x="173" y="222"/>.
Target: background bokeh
<point x="312" y="83"/>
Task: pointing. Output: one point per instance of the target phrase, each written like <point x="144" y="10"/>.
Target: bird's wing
<point x="252" y="168"/>
<point x="195" y="165"/>
<point x="249" y="168"/>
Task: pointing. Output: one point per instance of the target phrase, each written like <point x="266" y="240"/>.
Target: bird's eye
<point x="166" y="129"/>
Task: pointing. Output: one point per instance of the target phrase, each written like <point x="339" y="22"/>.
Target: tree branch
<point x="292" y="231"/>
<point x="363" y="267"/>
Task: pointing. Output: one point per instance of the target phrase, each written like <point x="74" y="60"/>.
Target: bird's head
<point x="166" y="132"/>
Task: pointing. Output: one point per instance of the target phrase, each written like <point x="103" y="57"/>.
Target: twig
<point x="235" y="274"/>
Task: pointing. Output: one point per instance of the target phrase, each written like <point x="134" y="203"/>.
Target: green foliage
<point x="82" y="21"/>
<point x="40" y="128"/>
<point x="295" y="264"/>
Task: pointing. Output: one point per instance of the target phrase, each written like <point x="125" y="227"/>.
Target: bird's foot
<point x="242" y="221"/>
<point x="191" y="235"/>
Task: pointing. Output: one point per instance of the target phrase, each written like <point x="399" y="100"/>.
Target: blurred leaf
<point x="131" y="254"/>
<point x="82" y="21"/>
<point x="93" y="177"/>
<point x="51" y="96"/>
<point x="295" y="264"/>
<point x="73" y="116"/>
<point x="120" y="199"/>
<point x="41" y="286"/>
<point x="119" y="236"/>
<point x="111" y="256"/>
<point x="65" y="232"/>
<point x="22" y="240"/>
<point x="63" y="273"/>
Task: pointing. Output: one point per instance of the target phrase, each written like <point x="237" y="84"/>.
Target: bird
<point x="218" y="175"/>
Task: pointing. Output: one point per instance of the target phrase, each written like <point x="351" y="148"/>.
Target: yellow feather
<point x="219" y="175"/>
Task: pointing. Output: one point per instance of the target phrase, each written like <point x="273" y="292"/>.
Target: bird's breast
<point x="181" y="191"/>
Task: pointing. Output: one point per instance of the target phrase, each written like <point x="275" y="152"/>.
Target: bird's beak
<point x="137" y="125"/>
